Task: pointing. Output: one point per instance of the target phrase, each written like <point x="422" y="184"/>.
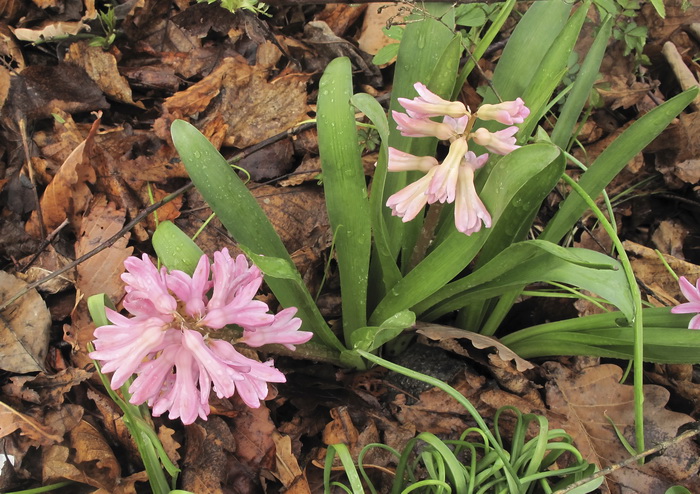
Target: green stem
<point x="637" y="323"/>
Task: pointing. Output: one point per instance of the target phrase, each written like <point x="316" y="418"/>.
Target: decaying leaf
<point x="24" y="328"/>
<point x="68" y="194"/>
<point x="49" y="260"/>
<point x="287" y="467"/>
<point x="50" y="31"/>
<point x="102" y="272"/>
<point x="651" y="271"/>
<point x="12" y="420"/>
<point x="447" y="335"/>
<point x="251" y="107"/>
<point x="372" y="38"/>
<point x="45" y="389"/>
<point x="40" y="90"/>
<point x="101" y="66"/>
<point x="204" y="466"/>
<point x="585" y="399"/>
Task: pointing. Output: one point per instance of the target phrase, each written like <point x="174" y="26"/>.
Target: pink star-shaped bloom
<point x="692" y="294"/>
<point x="168" y="343"/>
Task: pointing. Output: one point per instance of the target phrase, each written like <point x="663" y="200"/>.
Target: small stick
<point x="632" y="459"/>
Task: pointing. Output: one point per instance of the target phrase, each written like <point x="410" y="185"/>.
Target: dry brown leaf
<point x="372" y="38"/>
<point x="4" y="85"/>
<point x="68" y="194"/>
<point x="297" y="213"/>
<point x="651" y="271"/>
<point x="252" y="107"/>
<point x="49" y="31"/>
<point x="447" y="335"/>
<point x="93" y="454"/>
<point x="45" y="389"/>
<point x="24" y="328"/>
<point x="12" y="420"/>
<point x="669" y="237"/>
<point x="101" y="66"/>
<point x="102" y="272"/>
<point x="49" y="260"/>
<point x="340" y="17"/>
<point x="584" y="399"/>
<point x="170" y="445"/>
<point x="287" y="467"/>
<point x="40" y="90"/>
<point x="205" y="465"/>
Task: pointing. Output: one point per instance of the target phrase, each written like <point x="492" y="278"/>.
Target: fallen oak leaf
<point x="580" y="403"/>
<point x="446" y="335"/>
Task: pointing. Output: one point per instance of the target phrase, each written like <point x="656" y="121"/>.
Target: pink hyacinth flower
<point x="410" y="200"/>
<point x="284" y="330"/>
<point x="470" y="212"/>
<point x="146" y="288"/>
<point x="692" y="294"/>
<point x="421" y="127"/>
<point x="508" y="112"/>
<point x="402" y="162"/>
<point x="168" y="343"/>
<point x="429" y="104"/>
<point x="501" y="142"/>
<point x="443" y="186"/>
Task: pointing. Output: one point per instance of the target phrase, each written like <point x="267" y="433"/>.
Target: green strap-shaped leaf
<point x="529" y="262"/>
<point x="389" y="272"/>
<point x="512" y="173"/>
<point x="175" y="249"/>
<point x="551" y="70"/>
<point x="527" y="47"/>
<point x="613" y="159"/>
<point x="345" y="190"/>
<point x="241" y="214"/>
<point x="583" y="85"/>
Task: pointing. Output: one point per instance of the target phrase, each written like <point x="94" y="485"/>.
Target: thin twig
<point x="107" y="243"/>
<point x="30" y="171"/>
<point x="632" y="459"/>
<point x="138" y="218"/>
<point x="49" y="238"/>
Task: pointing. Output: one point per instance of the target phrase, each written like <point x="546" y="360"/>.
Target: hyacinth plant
<point x="403" y="250"/>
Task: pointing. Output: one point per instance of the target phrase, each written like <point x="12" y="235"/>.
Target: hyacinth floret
<point x="169" y="342"/>
<point x="451" y="181"/>
<point x="692" y="294"/>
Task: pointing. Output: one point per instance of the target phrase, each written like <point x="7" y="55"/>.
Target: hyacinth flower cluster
<point x="169" y="342"/>
<point x="451" y="181"/>
<point x="692" y="294"/>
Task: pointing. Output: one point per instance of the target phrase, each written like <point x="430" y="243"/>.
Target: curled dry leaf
<point x="24" y="328"/>
<point x="287" y="468"/>
<point x="45" y="389"/>
<point x="68" y="194"/>
<point x="649" y="269"/>
<point x="447" y="335"/>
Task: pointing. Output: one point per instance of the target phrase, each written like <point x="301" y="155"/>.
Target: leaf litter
<point x="242" y="81"/>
